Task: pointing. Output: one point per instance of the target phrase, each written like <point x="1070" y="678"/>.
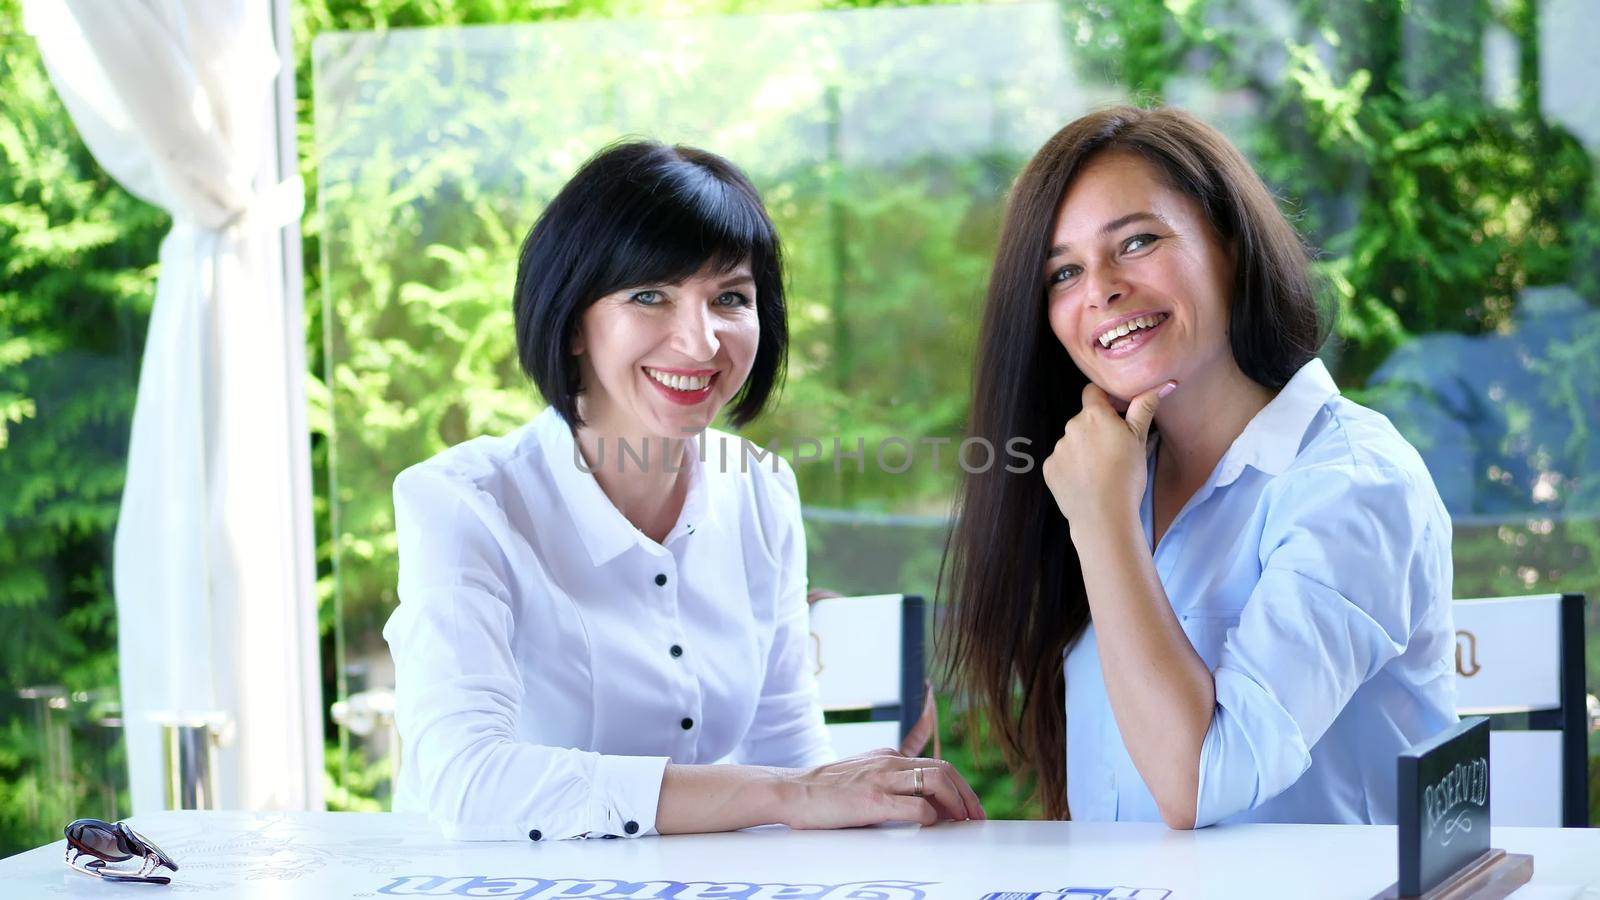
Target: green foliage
<point x="77" y="276"/>
<point x="352" y="783"/>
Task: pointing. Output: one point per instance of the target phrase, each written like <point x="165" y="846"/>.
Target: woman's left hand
<point x="1098" y="467"/>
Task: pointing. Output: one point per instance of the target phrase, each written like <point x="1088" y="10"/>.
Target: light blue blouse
<point x="1312" y="574"/>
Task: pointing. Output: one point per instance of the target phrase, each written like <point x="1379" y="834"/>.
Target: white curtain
<point x="212" y="572"/>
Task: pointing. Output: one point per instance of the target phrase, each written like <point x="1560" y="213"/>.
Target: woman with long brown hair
<point x="1223" y="590"/>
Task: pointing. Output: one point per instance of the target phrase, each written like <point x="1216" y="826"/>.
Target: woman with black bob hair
<point x="1224" y="590"/>
<point x="602" y="601"/>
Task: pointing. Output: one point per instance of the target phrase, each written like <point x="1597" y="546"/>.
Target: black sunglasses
<point x="107" y="842"/>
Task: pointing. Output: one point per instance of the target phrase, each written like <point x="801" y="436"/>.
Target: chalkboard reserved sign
<point x="1443" y="805"/>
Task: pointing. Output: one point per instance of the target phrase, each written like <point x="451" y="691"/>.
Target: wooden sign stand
<point x="1492" y="876"/>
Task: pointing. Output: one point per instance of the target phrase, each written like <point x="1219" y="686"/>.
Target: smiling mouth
<point x="685" y="383"/>
<point x="684" y="390"/>
<point x="1131" y="334"/>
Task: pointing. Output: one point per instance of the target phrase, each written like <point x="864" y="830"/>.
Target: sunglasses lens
<point x="96" y="838"/>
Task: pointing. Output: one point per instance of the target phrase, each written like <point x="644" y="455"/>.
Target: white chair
<point x="1520" y="661"/>
<point x="868" y="655"/>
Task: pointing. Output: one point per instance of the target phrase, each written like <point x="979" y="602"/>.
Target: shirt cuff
<point x="624" y="795"/>
<point x="1252" y="752"/>
<point x="622" y="798"/>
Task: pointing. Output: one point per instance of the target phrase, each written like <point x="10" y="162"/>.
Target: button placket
<point x="686" y="680"/>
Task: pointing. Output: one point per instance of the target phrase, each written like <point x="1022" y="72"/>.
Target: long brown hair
<point x="1010" y="570"/>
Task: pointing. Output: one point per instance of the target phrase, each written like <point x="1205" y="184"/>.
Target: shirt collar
<point x="606" y="533"/>
<point x="1272" y="439"/>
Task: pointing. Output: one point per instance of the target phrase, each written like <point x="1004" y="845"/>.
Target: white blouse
<point x="550" y="659"/>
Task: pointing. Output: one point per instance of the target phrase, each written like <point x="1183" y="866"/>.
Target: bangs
<point x="693" y="221"/>
<point x="644" y="214"/>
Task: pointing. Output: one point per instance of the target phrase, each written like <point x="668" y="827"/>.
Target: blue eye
<point x="733" y="298"/>
<point x="645" y="298"/>
<point x="1063" y="273"/>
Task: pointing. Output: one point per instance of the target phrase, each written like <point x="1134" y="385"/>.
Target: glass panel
<point x="78" y="261"/>
<point x="881" y="140"/>
<point x="1443" y="161"/>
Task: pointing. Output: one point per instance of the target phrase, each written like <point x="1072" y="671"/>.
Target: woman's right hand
<point x="878" y="786"/>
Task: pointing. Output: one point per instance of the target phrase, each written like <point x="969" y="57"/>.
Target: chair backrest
<point x="867" y="652"/>
<point x="1520" y="661"/>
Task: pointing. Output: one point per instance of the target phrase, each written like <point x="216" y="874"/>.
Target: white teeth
<point x="1132" y="325"/>
<point x="680" y="382"/>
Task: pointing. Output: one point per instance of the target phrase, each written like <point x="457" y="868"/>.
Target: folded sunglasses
<point x="92" y="843"/>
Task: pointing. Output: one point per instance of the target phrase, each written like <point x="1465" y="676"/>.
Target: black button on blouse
<point x="687" y="724"/>
<point x="661" y="580"/>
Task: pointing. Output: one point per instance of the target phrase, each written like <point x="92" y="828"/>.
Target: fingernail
<point x="1166" y="389"/>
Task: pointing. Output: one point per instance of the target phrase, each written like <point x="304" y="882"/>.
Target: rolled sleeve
<point x="1350" y="559"/>
<point x="458" y="691"/>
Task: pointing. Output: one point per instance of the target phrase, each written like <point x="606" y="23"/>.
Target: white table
<point x="240" y="855"/>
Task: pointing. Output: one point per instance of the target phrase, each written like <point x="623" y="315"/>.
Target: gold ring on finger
<point x="916" y="782"/>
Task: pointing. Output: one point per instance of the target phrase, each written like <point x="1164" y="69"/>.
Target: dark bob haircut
<point x="641" y="213"/>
